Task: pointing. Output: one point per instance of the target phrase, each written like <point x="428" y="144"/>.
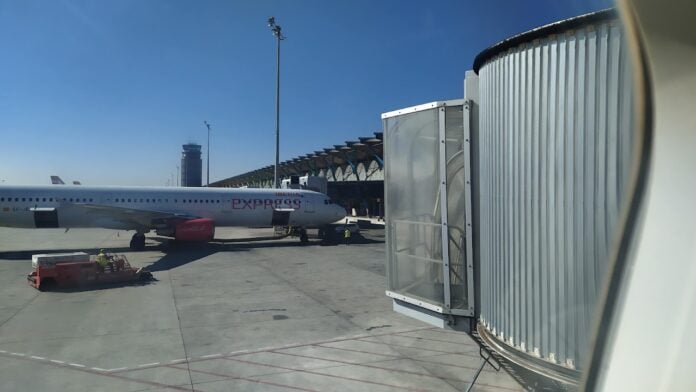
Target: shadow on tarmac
<point x="100" y="286"/>
<point x="177" y="254"/>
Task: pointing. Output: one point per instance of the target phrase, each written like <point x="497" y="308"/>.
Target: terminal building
<point x="354" y="172"/>
<point x="191" y="165"/>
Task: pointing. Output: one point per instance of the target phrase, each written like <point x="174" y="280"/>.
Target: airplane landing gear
<point x="138" y="241"/>
<point x="303" y="236"/>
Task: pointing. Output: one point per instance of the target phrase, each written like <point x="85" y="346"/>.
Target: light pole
<point x="279" y="36"/>
<point x="208" y="170"/>
<point x="178" y="175"/>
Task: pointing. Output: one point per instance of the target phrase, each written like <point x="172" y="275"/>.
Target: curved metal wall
<point x="555" y="145"/>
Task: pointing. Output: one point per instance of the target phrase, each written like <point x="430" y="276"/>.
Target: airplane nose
<point x="339" y="212"/>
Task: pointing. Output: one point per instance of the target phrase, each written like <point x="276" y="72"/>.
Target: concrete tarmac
<point x="227" y="316"/>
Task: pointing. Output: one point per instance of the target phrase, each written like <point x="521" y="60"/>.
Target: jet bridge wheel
<point x="138" y="241"/>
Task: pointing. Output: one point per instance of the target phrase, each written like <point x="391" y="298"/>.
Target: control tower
<point x="191" y="165"/>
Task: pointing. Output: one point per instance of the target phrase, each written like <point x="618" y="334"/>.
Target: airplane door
<point x="45" y="218"/>
<point x="309" y="206"/>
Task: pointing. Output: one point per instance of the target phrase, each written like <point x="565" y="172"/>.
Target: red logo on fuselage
<point x="263" y="204"/>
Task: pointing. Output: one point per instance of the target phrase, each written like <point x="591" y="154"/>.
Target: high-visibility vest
<point x="101" y="259"/>
<point x="346" y="233"/>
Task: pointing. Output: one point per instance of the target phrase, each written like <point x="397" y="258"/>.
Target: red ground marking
<point x="393" y="370"/>
<point x="405" y="357"/>
<point x="265" y="350"/>
<point x="227" y="376"/>
<point x="434" y="340"/>
<point x="325" y="374"/>
<point x="464" y="353"/>
<point x="357" y="351"/>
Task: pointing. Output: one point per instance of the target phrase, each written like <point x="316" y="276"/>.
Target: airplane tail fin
<point x="55" y="180"/>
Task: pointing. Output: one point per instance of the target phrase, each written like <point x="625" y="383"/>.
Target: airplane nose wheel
<point x="138" y="241"/>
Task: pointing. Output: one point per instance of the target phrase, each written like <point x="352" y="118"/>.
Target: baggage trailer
<point x="65" y="270"/>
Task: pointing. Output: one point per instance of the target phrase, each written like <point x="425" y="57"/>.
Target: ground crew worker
<point x="346" y="234"/>
<point x="102" y="260"/>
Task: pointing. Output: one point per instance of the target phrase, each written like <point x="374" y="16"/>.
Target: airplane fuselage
<point x="124" y="208"/>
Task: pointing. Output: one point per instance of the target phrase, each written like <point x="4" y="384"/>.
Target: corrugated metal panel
<point x="555" y="142"/>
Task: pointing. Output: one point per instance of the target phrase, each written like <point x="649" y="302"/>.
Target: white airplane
<point x="186" y="214"/>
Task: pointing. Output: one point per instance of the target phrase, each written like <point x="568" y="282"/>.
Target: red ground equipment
<point x="79" y="269"/>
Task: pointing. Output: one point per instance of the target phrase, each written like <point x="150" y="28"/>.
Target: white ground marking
<point x="57" y="361"/>
<point x="211" y="356"/>
<point x="117" y="369"/>
<point x="148" y="364"/>
<point x="35" y="357"/>
<point x="18" y="354"/>
<point x="178" y="360"/>
<point x="76" y="365"/>
<point x="98" y="369"/>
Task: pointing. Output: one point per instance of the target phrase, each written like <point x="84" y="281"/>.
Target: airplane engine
<point x="195" y="230"/>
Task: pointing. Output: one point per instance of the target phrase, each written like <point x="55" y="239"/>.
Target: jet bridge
<point x="428" y="210"/>
<point x="520" y="262"/>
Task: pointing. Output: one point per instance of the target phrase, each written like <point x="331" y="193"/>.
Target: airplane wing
<point x="136" y="217"/>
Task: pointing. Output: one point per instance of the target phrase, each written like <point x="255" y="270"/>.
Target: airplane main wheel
<point x="138" y="241"/>
<point x="303" y="236"/>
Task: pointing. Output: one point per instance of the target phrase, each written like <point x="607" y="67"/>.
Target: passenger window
<point x="30" y="199"/>
<point x="129" y="200"/>
<point x="44" y="199"/>
<point x="90" y="200"/>
<point x="51" y="199"/>
<point x="16" y="198"/>
<point x="71" y="199"/>
<point x="2" y="199"/>
<point x="23" y="199"/>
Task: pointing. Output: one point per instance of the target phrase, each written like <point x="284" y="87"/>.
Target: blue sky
<point x="106" y="92"/>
